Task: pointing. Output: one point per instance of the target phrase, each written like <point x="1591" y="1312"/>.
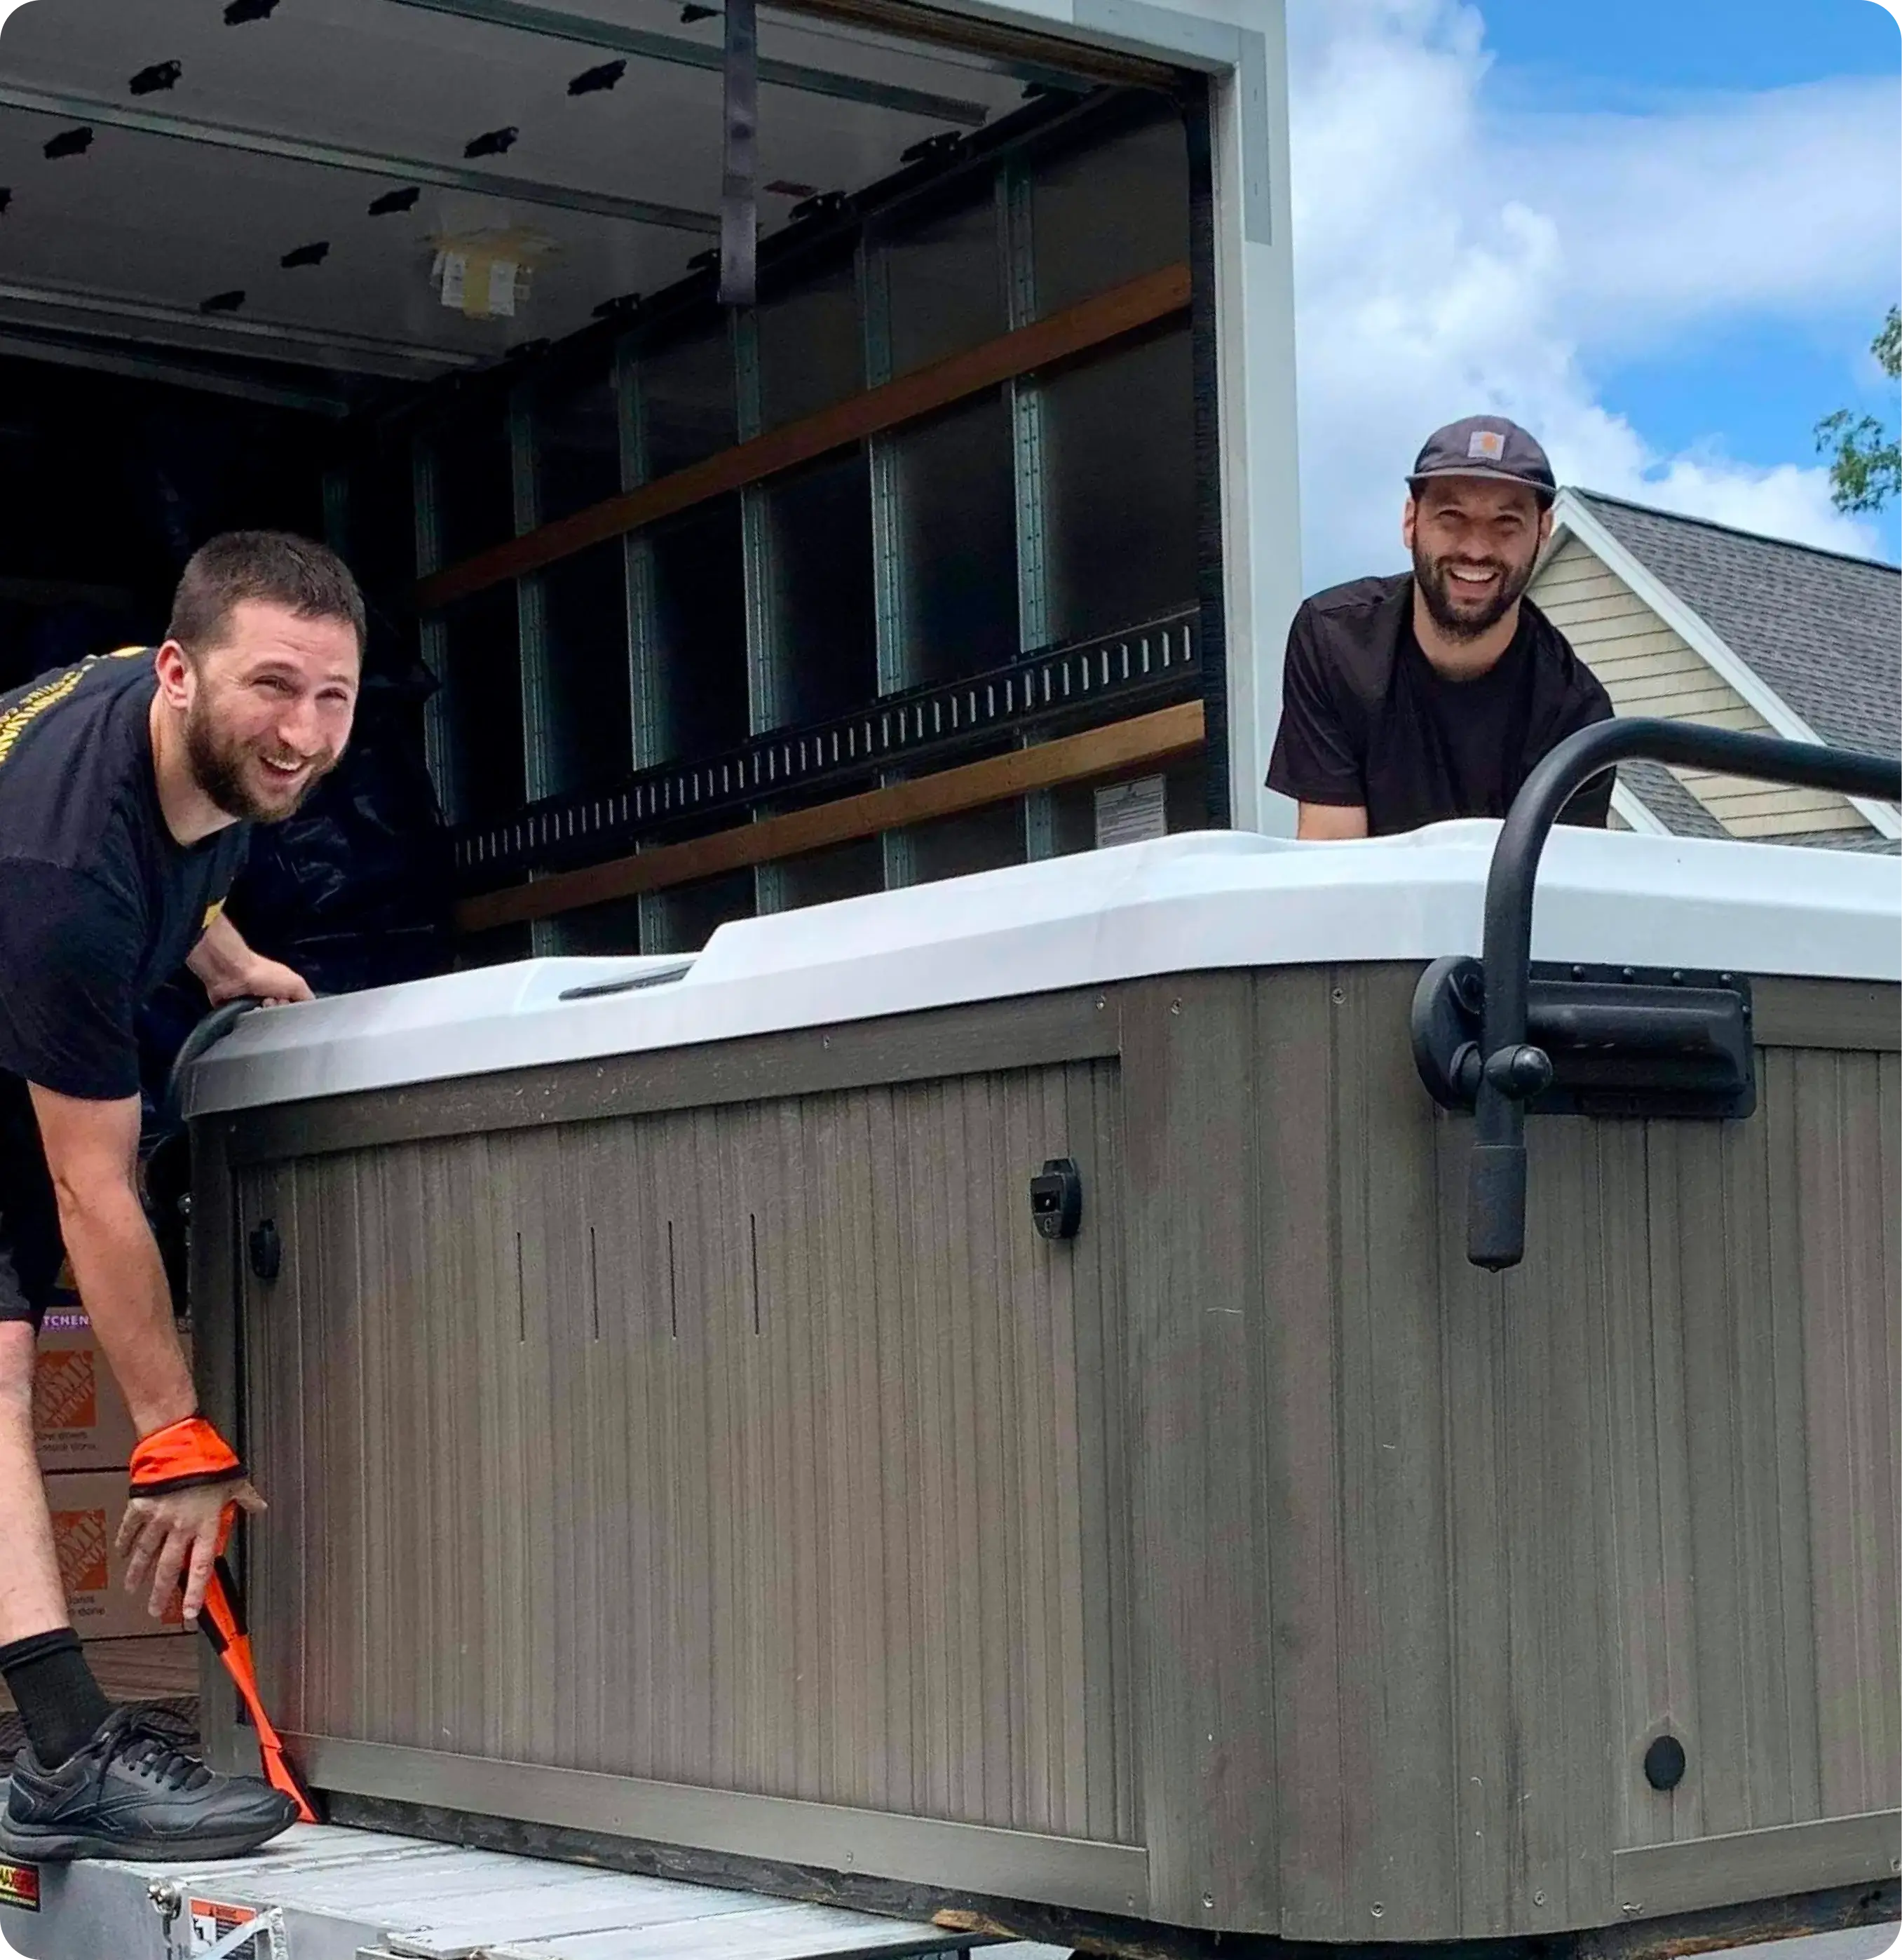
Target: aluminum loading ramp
<point x="327" y="1894"/>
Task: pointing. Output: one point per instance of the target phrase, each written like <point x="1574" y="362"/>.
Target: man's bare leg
<point x="58" y="1700"/>
<point x="31" y="1598"/>
<point x="91" y="1783"/>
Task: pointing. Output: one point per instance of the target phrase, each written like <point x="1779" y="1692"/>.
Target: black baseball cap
<point x="1485" y="446"/>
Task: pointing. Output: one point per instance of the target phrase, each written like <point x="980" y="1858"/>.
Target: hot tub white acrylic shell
<point x="1202" y="903"/>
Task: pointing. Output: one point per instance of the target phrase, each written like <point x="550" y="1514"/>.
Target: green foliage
<point x="1865" y="470"/>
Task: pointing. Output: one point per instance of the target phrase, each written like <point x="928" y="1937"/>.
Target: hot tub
<point x="684" y="1425"/>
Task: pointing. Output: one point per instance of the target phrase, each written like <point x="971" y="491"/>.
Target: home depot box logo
<point x="65" y="1390"/>
<point x="80" y="1419"/>
<point x="79" y="1537"/>
<point x="87" y="1506"/>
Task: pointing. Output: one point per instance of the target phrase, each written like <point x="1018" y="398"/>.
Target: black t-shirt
<point x="1366" y="719"/>
<point x="99" y="903"/>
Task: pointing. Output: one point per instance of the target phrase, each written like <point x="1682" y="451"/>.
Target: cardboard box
<point x="87" y="1506"/>
<point x="80" y="1420"/>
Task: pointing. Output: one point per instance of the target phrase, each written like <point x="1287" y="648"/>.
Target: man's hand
<point x="266" y="980"/>
<point x="231" y="970"/>
<point x="175" y="1536"/>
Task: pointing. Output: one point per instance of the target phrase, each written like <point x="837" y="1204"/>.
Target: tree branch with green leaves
<point x="1865" y="470"/>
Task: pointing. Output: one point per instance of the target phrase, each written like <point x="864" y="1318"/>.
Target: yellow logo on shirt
<point x="211" y="912"/>
<point x="49" y="694"/>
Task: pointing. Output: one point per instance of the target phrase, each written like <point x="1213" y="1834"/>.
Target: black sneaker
<point x="133" y="1792"/>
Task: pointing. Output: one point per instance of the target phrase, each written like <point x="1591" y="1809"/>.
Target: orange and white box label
<point x="212" y="1920"/>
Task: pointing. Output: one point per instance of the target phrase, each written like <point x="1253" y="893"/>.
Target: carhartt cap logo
<point x="1485" y="446"/>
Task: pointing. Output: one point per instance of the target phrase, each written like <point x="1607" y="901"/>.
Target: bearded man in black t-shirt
<point x="127" y="786"/>
<point x="1434" y="694"/>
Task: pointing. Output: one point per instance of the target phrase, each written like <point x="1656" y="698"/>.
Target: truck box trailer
<point x="323" y="1893"/>
<point x="882" y="578"/>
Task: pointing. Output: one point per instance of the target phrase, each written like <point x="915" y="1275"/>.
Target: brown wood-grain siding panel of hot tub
<point x="1072" y="1026"/>
<point x="1844" y="1014"/>
<point x="1648" y="1475"/>
<point x="1732" y="1331"/>
<point x="1760" y="1622"/>
<point x="1524" y="1411"/>
<point x="213" y="1281"/>
<point x="272" y="1442"/>
<point x="1840" y="1246"/>
<point x="1309" y="1562"/>
<point x="1362" y="1582"/>
<point x="1200" y="1528"/>
<point x="1434" y="1436"/>
<point x="1719" y="1460"/>
<point x="763" y="1447"/>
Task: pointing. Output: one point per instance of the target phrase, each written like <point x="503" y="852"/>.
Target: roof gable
<point x="1822" y="632"/>
<point x="1668" y="801"/>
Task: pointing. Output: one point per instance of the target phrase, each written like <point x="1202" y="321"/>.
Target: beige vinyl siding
<point x="1648" y="668"/>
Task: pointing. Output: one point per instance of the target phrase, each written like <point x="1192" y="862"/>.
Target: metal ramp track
<point x="326" y="1894"/>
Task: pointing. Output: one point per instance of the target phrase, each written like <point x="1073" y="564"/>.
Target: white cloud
<point x="1449" y="259"/>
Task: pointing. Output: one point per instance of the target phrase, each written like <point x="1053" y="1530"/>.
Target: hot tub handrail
<point x="1513" y="1071"/>
<point x="206" y="1034"/>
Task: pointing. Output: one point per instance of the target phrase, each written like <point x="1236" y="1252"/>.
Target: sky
<point x="1662" y="234"/>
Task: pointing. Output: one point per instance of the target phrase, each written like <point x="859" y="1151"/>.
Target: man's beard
<point x="1433" y="577"/>
<point x="218" y="767"/>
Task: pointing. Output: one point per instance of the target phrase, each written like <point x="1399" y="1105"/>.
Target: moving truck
<point x="881" y="579"/>
<point x="986" y="505"/>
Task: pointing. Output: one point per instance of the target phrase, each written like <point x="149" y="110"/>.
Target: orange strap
<point x="178" y="1457"/>
<point x="225" y="1627"/>
<point x="181" y="1455"/>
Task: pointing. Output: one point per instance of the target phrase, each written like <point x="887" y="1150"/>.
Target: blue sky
<point x="1608" y="54"/>
<point x="1759" y="384"/>
<point x="1661" y="232"/>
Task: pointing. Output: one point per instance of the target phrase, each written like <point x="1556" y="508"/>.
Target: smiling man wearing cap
<point x="1433" y="694"/>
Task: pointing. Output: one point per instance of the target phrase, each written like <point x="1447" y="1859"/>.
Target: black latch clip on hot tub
<point x="1503" y="1037"/>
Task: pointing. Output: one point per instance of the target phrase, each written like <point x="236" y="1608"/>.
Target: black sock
<point x="54" y="1689"/>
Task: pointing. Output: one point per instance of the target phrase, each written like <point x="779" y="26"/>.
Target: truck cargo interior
<point x="681" y="610"/>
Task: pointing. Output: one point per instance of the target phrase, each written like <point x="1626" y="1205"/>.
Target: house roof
<point x="1668" y="799"/>
<point x="1872" y="841"/>
<point x="1821" y="630"/>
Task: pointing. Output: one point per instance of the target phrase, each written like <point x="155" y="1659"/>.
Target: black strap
<point x="194" y="1480"/>
<point x="738" y="194"/>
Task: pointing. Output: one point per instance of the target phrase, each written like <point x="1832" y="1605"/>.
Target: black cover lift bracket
<point x="1602" y="1034"/>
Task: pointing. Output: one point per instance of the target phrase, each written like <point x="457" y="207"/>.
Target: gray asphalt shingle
<point x="1822" y="631"/>
<point x="1667" y="799"/>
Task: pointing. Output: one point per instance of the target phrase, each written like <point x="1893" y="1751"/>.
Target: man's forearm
<point x="1330" y="823"/>
<point x="221" y="957"/>
<point x="121" y="1282"/>
<point x="230" y="969"/>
